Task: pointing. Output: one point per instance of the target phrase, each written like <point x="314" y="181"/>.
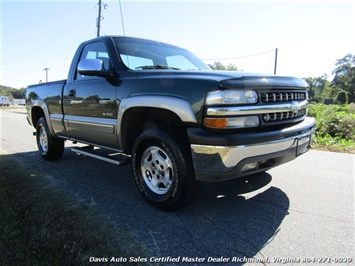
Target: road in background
<point x="300" y="212"/>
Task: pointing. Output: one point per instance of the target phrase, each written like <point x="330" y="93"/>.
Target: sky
<point x="310" y="35"/>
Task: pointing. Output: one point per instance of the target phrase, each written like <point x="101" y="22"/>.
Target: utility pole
<point x="46" y="69"/>
<point x="99" y="18"/>
<point x="275" y="66"/>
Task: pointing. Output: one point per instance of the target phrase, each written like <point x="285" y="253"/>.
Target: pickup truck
<point x="164" y="111"/>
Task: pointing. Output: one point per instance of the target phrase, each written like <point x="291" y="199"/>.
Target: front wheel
<point x="162" y="169"/>
<point x="51" y="148"/>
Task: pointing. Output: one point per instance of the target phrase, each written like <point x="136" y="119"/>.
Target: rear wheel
<point x="162" y="169"/>
<point x="51" y="148"/>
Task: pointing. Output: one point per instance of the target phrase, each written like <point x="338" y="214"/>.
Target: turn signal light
<point x="232" y="122"/>
<point x="216" y="122"/>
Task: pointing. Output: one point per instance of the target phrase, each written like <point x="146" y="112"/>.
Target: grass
<point x="40" y="225"/>
<point x="333" y="148"/>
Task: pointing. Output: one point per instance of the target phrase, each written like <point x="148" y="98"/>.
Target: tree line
<point x="12" y="93"/>
<point x="341" y="89"/>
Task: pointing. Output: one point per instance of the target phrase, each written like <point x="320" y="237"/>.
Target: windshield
<point x="139" y="54"/>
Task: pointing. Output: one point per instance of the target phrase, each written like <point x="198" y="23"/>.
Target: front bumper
<point x="245" y="154"/>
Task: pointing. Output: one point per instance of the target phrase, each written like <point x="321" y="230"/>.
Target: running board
<point x="103" y="155"/>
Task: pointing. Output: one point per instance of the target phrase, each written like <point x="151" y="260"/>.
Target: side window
<point x="96" y="50"/>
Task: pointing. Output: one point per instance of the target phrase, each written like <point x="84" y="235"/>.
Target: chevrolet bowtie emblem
<point x="295" y="107"/>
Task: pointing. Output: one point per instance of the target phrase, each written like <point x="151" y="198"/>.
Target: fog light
<point x="249" y="167"/>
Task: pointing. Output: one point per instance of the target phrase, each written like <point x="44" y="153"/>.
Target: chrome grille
<point x="283" y="116"/>
<point x="282" y="96"/>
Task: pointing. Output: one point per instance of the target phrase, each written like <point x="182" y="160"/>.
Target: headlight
<point x="231" y="97"/>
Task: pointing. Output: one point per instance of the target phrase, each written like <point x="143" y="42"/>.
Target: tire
<point x="51" y="148"/>
<point x="162" y="169"/>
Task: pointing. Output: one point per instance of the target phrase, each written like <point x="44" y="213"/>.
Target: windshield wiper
<point x="157" y="67"/>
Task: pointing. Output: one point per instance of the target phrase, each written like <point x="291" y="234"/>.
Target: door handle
<point x="72" y="93"/>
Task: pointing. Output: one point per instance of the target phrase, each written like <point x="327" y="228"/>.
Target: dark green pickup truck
<point x="162" y="109"/>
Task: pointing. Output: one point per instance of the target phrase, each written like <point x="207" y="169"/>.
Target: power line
<point x="271" y="58"/>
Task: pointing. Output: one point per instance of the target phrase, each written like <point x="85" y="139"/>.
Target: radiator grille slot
<point x="283" y="116"/>
<point x="278" y="96"/>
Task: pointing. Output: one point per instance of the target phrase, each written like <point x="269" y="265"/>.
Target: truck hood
<point x="228" y="79"/>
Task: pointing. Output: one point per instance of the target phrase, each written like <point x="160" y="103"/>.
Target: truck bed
<point x="48" y="97"/>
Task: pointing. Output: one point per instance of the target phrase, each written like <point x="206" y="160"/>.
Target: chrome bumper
<point x="217" y="163"/>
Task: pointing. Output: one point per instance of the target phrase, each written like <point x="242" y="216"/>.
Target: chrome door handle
<point x="72" y="93"/>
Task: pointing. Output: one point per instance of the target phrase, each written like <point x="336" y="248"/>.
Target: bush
<point x="351" y="108"/>
<point x="342" y="97"/>
<point x="335" y="124"/>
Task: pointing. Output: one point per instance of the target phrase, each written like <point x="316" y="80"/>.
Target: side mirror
<point x="93" y="67"/>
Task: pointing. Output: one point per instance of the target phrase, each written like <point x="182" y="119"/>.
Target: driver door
<point x="91" y="107"/>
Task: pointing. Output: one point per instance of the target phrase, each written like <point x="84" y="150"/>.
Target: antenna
<point x="124" y="32"/>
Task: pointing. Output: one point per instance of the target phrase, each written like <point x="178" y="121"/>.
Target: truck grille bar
<point x="283" y="116"/>
<point x="293" y="106"/>
<point x="281" y="96"/>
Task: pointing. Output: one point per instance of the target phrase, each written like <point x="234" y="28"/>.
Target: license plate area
<point x="303" y="145"/>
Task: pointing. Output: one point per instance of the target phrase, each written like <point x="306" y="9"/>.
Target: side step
<point x="103" y="155"/>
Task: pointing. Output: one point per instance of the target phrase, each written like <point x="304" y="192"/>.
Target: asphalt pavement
<point x="299" y="213"/>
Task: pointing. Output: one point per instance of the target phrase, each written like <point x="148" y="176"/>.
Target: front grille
<point x="283" y="116"/>
<point x="274" y="97"/>
<point x="282" y="96"/>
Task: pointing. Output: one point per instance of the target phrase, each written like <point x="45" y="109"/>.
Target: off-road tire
<point x="162" y="169"/>
<point x="51" y="148"/>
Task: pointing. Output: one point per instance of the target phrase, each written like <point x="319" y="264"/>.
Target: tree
<point x="319" y="88"/>
<point x="342" y="97"/>
<point x="344" y="76"/>
<point x="19" y="94"/>
<point x="12" y="92"/>
<point x="219" y="66"/>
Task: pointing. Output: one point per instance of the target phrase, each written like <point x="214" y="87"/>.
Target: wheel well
<point x="36" y="114"/>
<point x="135" y="120"/>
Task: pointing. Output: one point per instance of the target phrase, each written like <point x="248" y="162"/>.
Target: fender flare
<point x="41" y="104"/>
<point x="182" y="108"/>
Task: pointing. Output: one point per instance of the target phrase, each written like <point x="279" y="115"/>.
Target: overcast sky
<point x="310" y="35"/>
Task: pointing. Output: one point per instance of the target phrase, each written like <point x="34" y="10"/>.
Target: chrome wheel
<point x="157" y="170"/>
<point x="43" y="140"/>
<point x="51" y="148"/>
<point x="162" y="169"/>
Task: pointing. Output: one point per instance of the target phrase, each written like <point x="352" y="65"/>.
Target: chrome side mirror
<point x="93" y="67"/>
